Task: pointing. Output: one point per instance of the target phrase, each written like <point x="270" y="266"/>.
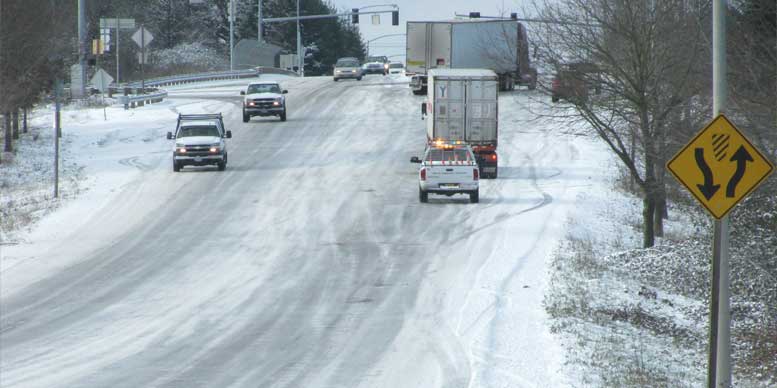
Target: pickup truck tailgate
<point x="449" y="174"/>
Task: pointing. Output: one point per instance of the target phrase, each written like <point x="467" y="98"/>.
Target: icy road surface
<point x="309" y="262"/>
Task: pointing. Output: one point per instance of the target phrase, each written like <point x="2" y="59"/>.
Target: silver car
<point x="347" y="68"/>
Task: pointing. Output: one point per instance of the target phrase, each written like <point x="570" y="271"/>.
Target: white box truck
<point x="499" y="45"/>
<point x="461" y="106"/>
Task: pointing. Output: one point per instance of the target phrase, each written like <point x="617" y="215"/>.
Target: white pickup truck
<point x="448" y="169"/>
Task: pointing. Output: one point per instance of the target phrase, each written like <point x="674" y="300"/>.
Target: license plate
<point x="489" y="169"/>
<point x="197" y="159"/>
<point x="449" y="186"/>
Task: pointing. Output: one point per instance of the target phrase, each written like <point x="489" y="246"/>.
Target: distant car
<point x="448" y="169"/>
<point x="347" y="68"/>
<point x="199" y="141"/>
<point x="264" y="98"/>
<point x="574" y="80"/>
<point x="376" y="65"/>
<point x="396" y="68"/>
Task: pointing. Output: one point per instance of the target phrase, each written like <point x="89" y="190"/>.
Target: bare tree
<point x="629" y="70"/>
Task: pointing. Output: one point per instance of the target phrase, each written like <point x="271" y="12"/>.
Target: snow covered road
<point x="309" y="262"/>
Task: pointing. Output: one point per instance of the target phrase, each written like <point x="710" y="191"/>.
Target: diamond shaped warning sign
<point x="720" y="167"/>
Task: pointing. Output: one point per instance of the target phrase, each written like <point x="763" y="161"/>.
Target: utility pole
<point x="719" y="368"/>
<point x="259" y="23"/>
<point x="82" y="45"/>
<point x="118" y="28"/>
<point x="231" y="34"/>
<point x="300" y="56"/>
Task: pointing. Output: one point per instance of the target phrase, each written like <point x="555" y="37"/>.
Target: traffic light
<point x="473" y="15"/>
<point x="514" y="15"/>
<point x="355" y="15"/>
<point x="394" y="18"/>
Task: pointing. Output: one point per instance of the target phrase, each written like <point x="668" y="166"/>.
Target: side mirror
<point x="242" y="93"/>
<point x="169" y="136"/>
<point x="229" y="134"/>
<point x="415" y="159"/>
<point x="285" y="91"/>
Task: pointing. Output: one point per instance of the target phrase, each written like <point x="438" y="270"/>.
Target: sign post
<point x="142" y="37"/>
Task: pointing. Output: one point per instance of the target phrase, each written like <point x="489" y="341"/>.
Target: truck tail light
<point x="493" y="157"/>
<point x="423" y="174"/>
<point x="475" y="174"/>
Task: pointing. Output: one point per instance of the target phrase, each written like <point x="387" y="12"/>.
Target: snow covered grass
<point x="639" y="317"/>
<point x="27" y="176"/>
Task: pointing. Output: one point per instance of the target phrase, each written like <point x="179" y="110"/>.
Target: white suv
<point x="199" y="141"/>
<point x="448" y="169"/>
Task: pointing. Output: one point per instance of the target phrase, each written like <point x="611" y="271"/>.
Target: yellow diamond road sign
<point x="720" y="167"/>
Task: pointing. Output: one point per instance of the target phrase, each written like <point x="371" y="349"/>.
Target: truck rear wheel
<point x="423" y="196"/>
<point x="474" y="197"/>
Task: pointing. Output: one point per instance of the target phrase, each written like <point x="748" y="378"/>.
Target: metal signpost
<point x="720" y="167"/>
<point x="142" y="37"/>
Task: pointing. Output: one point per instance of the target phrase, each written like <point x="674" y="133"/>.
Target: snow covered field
<point x="309" y="262"/>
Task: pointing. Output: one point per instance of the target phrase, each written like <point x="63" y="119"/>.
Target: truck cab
<point x="448" y="169"/>
<point x="200" y="141"/>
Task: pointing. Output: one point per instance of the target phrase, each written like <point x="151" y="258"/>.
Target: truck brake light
<point x="423" y="174"/>
<point x="493" y="156"/>
<point x="475" y="175"/>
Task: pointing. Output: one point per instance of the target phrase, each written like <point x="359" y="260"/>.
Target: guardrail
<point x="198" y="77"/>
<point x="131" y="101"/>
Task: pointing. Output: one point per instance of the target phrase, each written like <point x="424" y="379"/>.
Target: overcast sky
<point x="412" y="10"/>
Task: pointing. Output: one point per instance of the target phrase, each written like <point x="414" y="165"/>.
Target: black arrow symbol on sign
<point x="707" y="189"/>
<point x="741" y="157"/>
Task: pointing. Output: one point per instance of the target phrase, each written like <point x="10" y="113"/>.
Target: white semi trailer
<point x="499" y="45"/>
<point x="462" y="107"/>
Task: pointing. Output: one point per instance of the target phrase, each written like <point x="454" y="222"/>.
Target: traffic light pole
<point x="327" y="16"/>
<point x="300" y="55"/>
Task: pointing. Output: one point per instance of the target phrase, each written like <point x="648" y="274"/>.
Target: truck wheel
<point x="418" y="92"/>
<point x="474" y="197"/>
<point x="496" y="171"/>
<point x="222" y="165"/>
<point x="554" y="98"/>
<point x="246" y="118"/>
<point x="358" y="78"/>
<point x="283" y="115"/>
<point x="176" y="166"/>
<point x="335" y="79"/>
<point x="423" y="196"/>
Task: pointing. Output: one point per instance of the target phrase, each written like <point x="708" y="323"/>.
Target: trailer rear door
<point x="449" y="99"/>
<point x="481" y="111"/>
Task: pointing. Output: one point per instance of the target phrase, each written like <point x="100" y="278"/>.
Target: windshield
<point x="263" y="88"/>
<point x="347" y="63"/>
<point x="198" y="130"/>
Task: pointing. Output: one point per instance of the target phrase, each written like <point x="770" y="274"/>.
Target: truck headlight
<point x="276" y="103"/>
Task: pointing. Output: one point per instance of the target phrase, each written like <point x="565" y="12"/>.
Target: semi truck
<point x="462" y="108"/>
<point x="500" y="45"/>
